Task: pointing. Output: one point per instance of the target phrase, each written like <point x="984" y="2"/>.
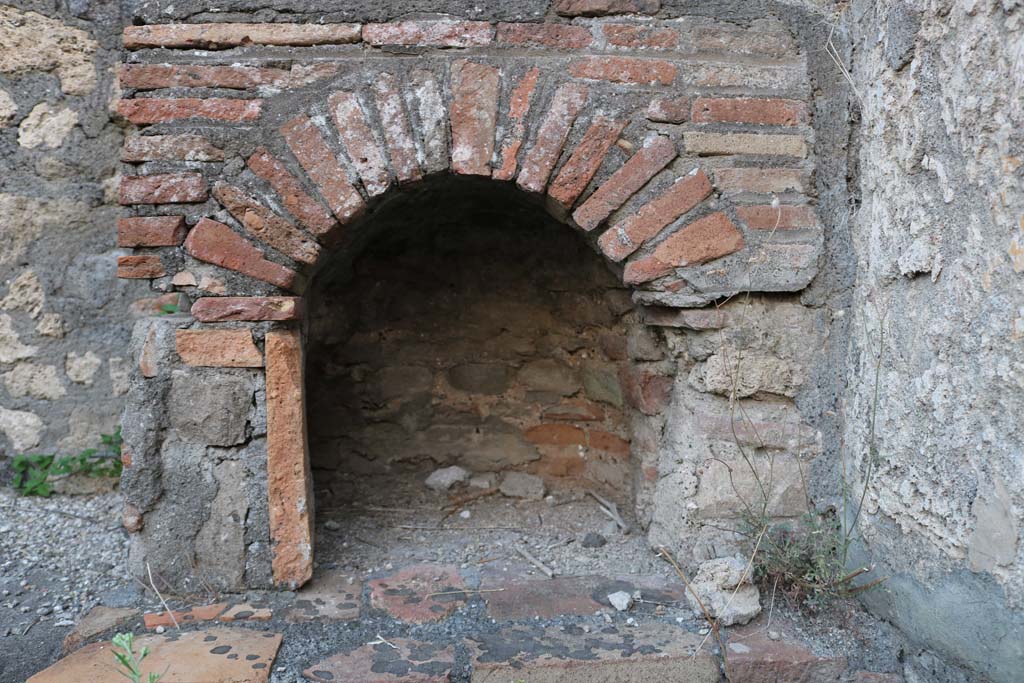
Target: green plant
<point x="130" y="664"/>
<point x="32" y="473"/>
<point x="168" y="309"/>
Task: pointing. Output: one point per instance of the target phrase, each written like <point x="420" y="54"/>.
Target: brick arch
<point x="681" y="151"/>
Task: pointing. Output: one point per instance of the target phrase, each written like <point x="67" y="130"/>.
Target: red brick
<point x="218" y="348"/>
<point x="575" y="411"/>
<point x="555" y="434"/>
<point x="154" y="231"/>
<point x="669" y="110"/>
<point x="633" y="175"/>
<point x="289" y="480"/>
<point x="582" y="165"/>
<point x="703" y="240"/>
<point x="359" y="143"/>
<point x="153" y="110"/>
<point x="430" y="32"/>
<point x="138" y="148"/>
<point x="217" y="309"/>
<point x="627" y="236"/>
<point x="767" y="112"/>
<point x="397" y="134"/>
<point x="607" y="442"/>
<point x="518" y="109"/>
<point x="548" y="598"/>
<point x="625" y="70"/>
<point x="474" y="112"/>
<point x="224" y="35"/>
<point x="602" y="8"/>
<point x="310" y="148"/>
<point x="783" y="217"/>
<point x="374" y="663"/>
<point x="759" y="180"/>
<point x="167" y="188"/>
<point x="189" y="616"/>
<point x="142" y="267"/>
<point x="640" y="37"/>
<point x="565" y="105"/>
<point x="647" y="392"/>
<point x="266" y="226"/>
<point x="218" y="244"/>
<point x="299" y="203"/>
<point x="404" y="594"/>
<point x="153" y="76"/>
<point x="558" y="36"/>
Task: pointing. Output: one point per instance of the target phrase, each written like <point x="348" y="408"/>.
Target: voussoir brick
<point x="225" y="35"/>
<point x="554" y="129"/>
<point x="154" y="76"/>
<point x="311" y="150"/>
<point x="558" y="36"/>
<point x="761" y="111"/>
<point x="139" y="148"/>
<point x="633" y="175"/>
<point x="151" y="231"/>
<point x="629" y="70"/>
<point x="397" y="133"/>
<point x="714" y="144"/>
<point x="156" y="110"/>
<point x="473" y="116"/>
<point x="164" y="188"/>
<point x="518" y="109"/>
<point x="218" y="244"/>
<point x="430" y="33"/>
<point x="428" y="107"/>
<point x="299" y="203"/>
<point x="218" y="348"/>
<point x="624" y="238"/>
<point x="703" y="240"/>
<point x="265" y="225"/>
<point x="582" y="165"/>
<point x="640" y="37"/>
<point x="732" y="181"/>
<point x="360" y="145"/>
<point x="217" y="309"/>
<point x="140" y="267"/>
<point x="782" y="217"/>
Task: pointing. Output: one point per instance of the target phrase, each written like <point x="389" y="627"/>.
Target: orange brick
<point x="669" y="110"/>
<point x="768" y="112"/>
<point x="166" y="188"/>
<point x="216" y="309"/>
<point x="218" y="244"/>
<point x="310" y="148"/>
<point x="607" y="442"/>
<point x="299" y="203"/>
<point x="629" y="70"/>
<point x="640" y="37"/>
<point x="218" y="348"/>
<point x="473" y="116"/>
<point x="783" y="217"/>
<point x="154" y="110"/>
<point x="151" y="231"/>
<point x="189" y="616"/>
<point x="565" y="105"/>
<point x="558" y="36"/>
<point x="266" y="226"/>
<point x="582" y="165"/>
<point x="143" y="267"/>
<point x="518" y="108"/>
<point x="703" y="240"/>
<point x="554" y="434"/>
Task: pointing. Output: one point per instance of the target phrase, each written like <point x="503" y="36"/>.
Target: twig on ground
<point x="535" y="562"/>
<point x="468" y="590"/>
<point x="380" y="640"/>
<point x="612" y="510"/>
<point x="163" y="602"/>
<point x="713" y="623"/>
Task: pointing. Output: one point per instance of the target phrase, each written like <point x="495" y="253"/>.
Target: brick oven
<point x="384" y="248"/>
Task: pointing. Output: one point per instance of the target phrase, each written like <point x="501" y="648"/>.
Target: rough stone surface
<point x="443" y="479"/>
<point x="522" y="485"/>
<point x="724" y="587"/>
<point x="46" y="127"/>
<point x="212" y="411"/>
<point x="36" y="43"/>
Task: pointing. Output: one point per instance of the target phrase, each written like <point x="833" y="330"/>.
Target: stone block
<point x="480" y="378"/>
<point x="209" y="408"/>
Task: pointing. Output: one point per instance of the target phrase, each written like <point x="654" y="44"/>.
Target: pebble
<point x="465" y="514"/>
<point x="593" y="540"/>
<point x="160" y="629"/>
<point x="774" y="635"/>
<point x="621" y="600"/>
<point x="331" y="525"/>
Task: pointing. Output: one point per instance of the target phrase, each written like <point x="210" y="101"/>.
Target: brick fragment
<point x="473" y="115"/>
<point x="218" y="309"/>
<point x="554" y="129"/>
<point x="430" y="33"/>
<point x="425" y="94"/>
<point x="783" y="217"/>
<point x="559" y="36"/>
<point x="761" y="111"/>
<point x="218" y="244"/>
<point x="648" y="392"/>
<point x="265" y="225"/>
<point x="602" y="8"/>
<point x="556" y="434"/>
<point x="299" y="203"/>
<point x="397" y="134"/>
<point x="166" y="188"/>
<point x="151" y="231"/>
<point x="225" y="35"/>
<point x="714" y="144"/>
<point x="139" y="148"/>
<point x="189" y="616"/>
<point x="407" y="595"/>
<point x="633" y="175"/>
<point x="640" y="37"/>
<point x="289" y="480"/>
<point x="705" y="239"/>
<point x="607" y="442"/>
<point x="154" y="76"/>
<point x="359" y="143"/>
<point x="518" y="109"/>
<point x="629" y="70"/>
<point x="731" y="181"/>
<point x="310" y="148"/>
<point x="669" y="110"/>
<point x="155" y="110"/>
<point x="142" y="267"/>
<point x="627" y="236"/>
<point x="218" y="348"/>
<point x="582" y="165"/>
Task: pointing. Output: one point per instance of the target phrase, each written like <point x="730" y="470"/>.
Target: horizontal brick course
<point x="430" y="33"/>
<point x="558" y="36"/>
<point x="761" y="111"/>
<point x="166" y="188"/>
<point x="265" y="225"/>
<point x="218" y="244"/>
<point x="141" y="267"/>
<point x="139" y="148"/>
<point x="783" y="217"/>
<point x="713" y="144"/>
<point x="705" y="239"/>
<point x="153" y="110"/>
<point x="640" y="37"/>
<point x="602" y="8"/>
<point x="629" y="70"/>
<point x="214" y="309"/>
<point x="299" y="203"/>
<point x="759" y="180"/>
<point x="154" y="76"/>
<point x="154" y="231"/>
<point x="225" y="35"/>
<point x="669" y="110"/>
<point x="218" y="348"/>
<point x="313" y="154"/>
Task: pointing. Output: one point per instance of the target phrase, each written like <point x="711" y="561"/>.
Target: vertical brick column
<point x="289" y="481"/>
